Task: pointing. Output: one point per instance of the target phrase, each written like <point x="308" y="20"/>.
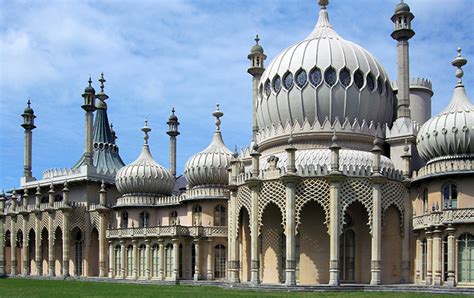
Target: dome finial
<point x="257" y="38"/>
<point x="218" y="114"/>
<point x="459" y="62"/>
<point x="102" y="81"/>
<point x="146" y="129"/>
<point x="323" y="3"/>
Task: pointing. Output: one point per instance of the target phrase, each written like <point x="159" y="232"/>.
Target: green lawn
<point x="73" y="288"/>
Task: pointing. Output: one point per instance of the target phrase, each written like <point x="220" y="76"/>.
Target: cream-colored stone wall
<point x="271" y="234"/>
<point x="362" y="242"/>
<point x="391" y="247"/>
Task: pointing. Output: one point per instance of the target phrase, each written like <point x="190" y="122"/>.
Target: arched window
<point x="424" y="201"/>
<point x="124" y="220"/>
<point x="466" y="258"/>
<point x="450" y="196"/>
<point x="347" y="250"/>
<point x="219" y="261"/>
<point x="142" y="260"/>
<point x="445" y="258"/>
<point x="129" y="260"/>
<point x="144" y="219"/>
<point x="173" y="218"/>
<point x="78" y="254"/>
<point x="424" y="259"/>
<point x="155" y="260"/>
<point x="197" y="215"/>
<point x="118" y="260"/>
<point x="220" y="218"/>
<point x="169" y="260"/>
<point x="8" y="240"/>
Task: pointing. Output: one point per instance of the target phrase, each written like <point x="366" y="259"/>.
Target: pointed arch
<point x="93" y="253"/>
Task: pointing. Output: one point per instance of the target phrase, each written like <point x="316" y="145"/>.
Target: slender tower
<point x="402" y="33"/>
<point x="89" y="108"/>
<point x="28" y="124"/>
<point x="173" y="132"/>
<point x="256" y="69"/>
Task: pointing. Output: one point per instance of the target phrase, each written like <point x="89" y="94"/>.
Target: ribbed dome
<point x="209" y="167"/>
<point x="449" y="134"/>
<point x="324" y="76"/>
<point x="144" y="176"/>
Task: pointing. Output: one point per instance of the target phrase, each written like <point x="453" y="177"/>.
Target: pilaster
<point x="254" y="185"/>
<point x="377" y="181"/>
<point x="437" y="256"/>
<point x="429" y="258"/>
<point x="451" y="256"/>
<point x="210" y="272"/>
<point x="335" y="180"/>
<point x="197" y="256"/>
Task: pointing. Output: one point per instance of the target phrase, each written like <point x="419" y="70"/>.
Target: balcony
<point x="167" y="231"/>
<point x="452" y="216"/>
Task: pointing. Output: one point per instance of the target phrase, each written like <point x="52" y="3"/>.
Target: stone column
<point x="407" y="230"/>
<point x="418" y="258"/>
<point x="25" y="248"/>
<point x="124" y="258"/>
<point x="290" y="271"/>
<point x="38" y="255"/>
<point x="197" y="263"/>
<point x="429" y="258"/>
<point x="2" y="236"/>
<point x="66" y="242"/>
<point x="437" y="256"/>
<point x="147" y="259"/>
<point x="135" y="258"/>
<point x="50" y="245"/>
<point x="176" y="258"/>
<point x="111" y="260"/>
<point x="451" y="256"/>
<point x="254" y="254"/>
<point x="13" y="246"/>
<point x="102" y="245"/>
<point x="334" y="230"/>
<point x="376" y="231"/>
<point x="210" y="272"/>
<point x="161" y="266"/>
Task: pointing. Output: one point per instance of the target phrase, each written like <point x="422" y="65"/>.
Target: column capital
<point x="336" y="177"/>
<point x="450" y="229"/>
<point x="290" y="178"/>
<point x="254" y="183"/>
<point x="378" y="179"/>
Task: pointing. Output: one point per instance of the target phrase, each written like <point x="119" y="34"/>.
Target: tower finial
<point x="323" y="3"/>
<point x="459" y="62"/>
<point x="102" y="81"/>
<point x="218" y="114"/>
<point x="28" y="102"/>
<point x="90" y="81"/>
<point x="257" y="38"/>
<point x="146" y="129"/>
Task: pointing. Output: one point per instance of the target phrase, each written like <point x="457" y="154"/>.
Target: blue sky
<point x="186" y="54"/>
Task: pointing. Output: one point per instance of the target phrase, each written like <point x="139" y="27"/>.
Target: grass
<point x="72" y="288"/>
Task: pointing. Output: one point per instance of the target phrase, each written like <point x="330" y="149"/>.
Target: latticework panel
<point x="78" y="218"/>
<point x="19" y="224"/>
<point x="312" y="190"/>
<point x="8" y="223"/>
<point x="44" y="221"/>
<point x="58" y="221"/>
<point x="95" y="220"/>
<point x="352" y="190"/>
<point x="272" y="192"/>
<point x="394" y="193"/>
<point x="243" y="200"/>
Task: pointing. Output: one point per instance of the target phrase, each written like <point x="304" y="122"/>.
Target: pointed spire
<point x="218" y="114"/>
<point x="459" y="62"/>
<point x="236" y="153"/>
<point x="146" y="129"/>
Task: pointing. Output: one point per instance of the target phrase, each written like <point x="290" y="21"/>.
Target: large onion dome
<point x="209" y="167"/>
<point x="324" y="77"/>
<point x="449" y="134"/>
<point x="144" y="176"/>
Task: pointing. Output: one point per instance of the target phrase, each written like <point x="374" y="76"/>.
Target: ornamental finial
<point x="257" y="38"/>
<point x="323" y="3"/>
<point x="90" y="81"/>
<point x="102" y="81"/>
<point x="146" y="129"/>
<point x="28" y="103"/>
<point x="459" y="62"/>
<point x="218" y="114"/>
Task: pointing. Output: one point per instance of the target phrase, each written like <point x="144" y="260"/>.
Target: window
<point x="330" y="76"/>
<point x="347" y="250"/>
<point x="466" y="258"/>
<point x="197" y="215"/>
<point x="288" y="81"/>
<point x="277" y="84"/>
<point x="8" y="240"/>
<point x="219" y="261"/>
<point x="301" y="78"/>
<point x="267" y="88"/>
<point x="118" y="260"/>
<point x="445" y="258"/>
<point x="424" y="201"/>
<point x="155" y="260"/>
<point x="345" y="77"/>
<point x="44" y="199"/>
<point x="424" y="259"/>
<point x="220" y="218"/>
<point x="169" y="260"/>
<point x="450" y="196"/>
<point x="173" y="218"/>
<point x="58" y="198"/>
<point x="124" y="220"/>
<point x="370" y="82"/>
<point x="359" y="79"/>
<point x="380" y="85"/>
<point x="315" y="77"/>
<point x="144" y="219"/>
<point x="130" y="260"/>
<point x="78" y="254"/>
<point x="193" y="259"/>
<point x="142" y="260"/>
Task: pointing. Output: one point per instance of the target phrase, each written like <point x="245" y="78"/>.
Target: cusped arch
<point x="300" y="209"/>
<point x="356" y="190"/>
<point x="272" y="192"/>
<point x="237" y="219"/>
<point x="399" y="212"/>
<point x="312" y="190"/>
<point x="264" y="208"/>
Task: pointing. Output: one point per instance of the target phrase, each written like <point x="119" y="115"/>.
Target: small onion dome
<point x="173" y="116"/>
<point x="144" y="176"/>
<point x="448" y="134"/>
<point x="256" y="47"/>
<point x="209" y="167"/>
<point x="402" y="7"/>
<point x="89" y="88"/>
<point x="28" y="109"/>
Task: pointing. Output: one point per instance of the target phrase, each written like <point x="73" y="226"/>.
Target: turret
<point x="173" y="132"/>
<point x="89" y="107"/>
<point x="421" y="93"/>
<point x="28" y="124"/>
<point x="402" y="33"/>
<point x="256" y="69"/>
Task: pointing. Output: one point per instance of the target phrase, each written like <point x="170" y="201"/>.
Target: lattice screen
<point x="272" y="192"/>
<point x="394" y="193"/>
<point x="356" y="189"/>
<point x="312" y="190"/>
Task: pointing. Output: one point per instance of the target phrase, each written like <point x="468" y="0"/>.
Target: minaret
<point x="89" y="107"/>
<point x="173" y="133"/>
<point x="402" y="33"/>
<point x="28" y="124"/>
<point x="256" y="69"/>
